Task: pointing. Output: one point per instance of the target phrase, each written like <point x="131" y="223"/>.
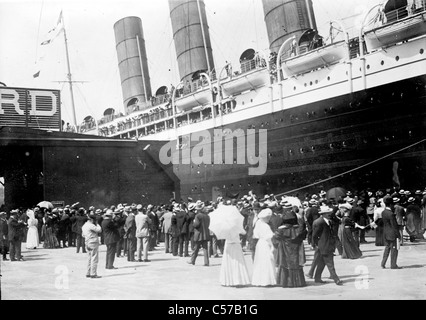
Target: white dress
<point x="32" y="234"/>
<point x="264" y="272"/>
<point x="233" y="271"/>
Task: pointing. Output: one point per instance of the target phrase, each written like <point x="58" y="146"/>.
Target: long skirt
<point x="350" y="247"/>
<point x="50" y="240"/>
<point x="32" y="238"/>
<point x="264" y="273"/>
<point x="380" y="236"/>
<point x="233" y="271"/>
<point x="290" y="271"/>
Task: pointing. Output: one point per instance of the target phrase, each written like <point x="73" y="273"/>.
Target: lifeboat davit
<point x="310" y="54"/>
<point x="397" y="24"/>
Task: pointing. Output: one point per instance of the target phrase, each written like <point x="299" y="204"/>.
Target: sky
<point x="234" y="25"/>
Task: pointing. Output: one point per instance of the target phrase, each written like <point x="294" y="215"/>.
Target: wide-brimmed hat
<point x="346" y="206"/>
<point x="418" y="192"/>
<point x="325" y="209"/>
<point x="411" y="199"/>
<point x="108" y="214"/>
<point x="199" y="205"/>
<point x="139" y="207"/>
<point x="191" y="206"/>
<point x="98" y="211"/>
<point x="257" y="205"/>
<point x="265" y="214"/>
<point x="402" y="191"/>
<point x="395" y="199"/>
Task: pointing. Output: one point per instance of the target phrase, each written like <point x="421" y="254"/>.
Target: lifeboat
<point x="253" y="74"/>
<point x="309" y="54"/>
<point x="201" y="97"/>
<point x="397" y="23"/>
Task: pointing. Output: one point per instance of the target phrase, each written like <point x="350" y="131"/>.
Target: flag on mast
<point x="53" y="33"/>
<point x="48" y="39"/>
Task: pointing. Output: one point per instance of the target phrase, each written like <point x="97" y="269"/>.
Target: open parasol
<point x="45" y="204"/>
<point x="294" y="201"/>
<point x="225" y="221"/>
<point x="336" y="193"/>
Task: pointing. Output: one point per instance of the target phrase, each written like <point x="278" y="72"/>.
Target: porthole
<point x="368" y="66"/>
<point x="382" y="62"/>
<point x="316" y="81"/>
<point x="397" y="58"/>
<point x="310" y="83"/>
<point x="421" y="51"/>
<point x="294" y="88"/>
<point x="328" y="78"/>
<point x="306" y="84"/>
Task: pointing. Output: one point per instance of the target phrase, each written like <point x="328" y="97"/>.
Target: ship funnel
<point x="132" y="63"/>
<point x="287" y="18"/>
<point x="191" y="37"/>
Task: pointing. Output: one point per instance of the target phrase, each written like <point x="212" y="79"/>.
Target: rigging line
<point x="85" y="102"/>
<point x="38" y="31"/>
<point x="352" y="170"/>
<point x="255" y="24"/>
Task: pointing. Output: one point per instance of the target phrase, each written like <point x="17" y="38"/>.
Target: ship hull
<point x="356" y="140"/>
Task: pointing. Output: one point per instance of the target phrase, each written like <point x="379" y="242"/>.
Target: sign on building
<point x="30" y="108"/>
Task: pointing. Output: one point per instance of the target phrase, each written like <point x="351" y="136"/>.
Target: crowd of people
<point x="274" y="229"/>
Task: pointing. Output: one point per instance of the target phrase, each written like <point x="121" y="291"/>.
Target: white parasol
<point x="294" y="201"/>
<point x="225" y="221"/>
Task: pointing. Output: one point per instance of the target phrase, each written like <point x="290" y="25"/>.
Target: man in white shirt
<point x="90" y="232"/>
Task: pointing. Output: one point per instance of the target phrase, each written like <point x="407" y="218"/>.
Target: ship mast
<point x="69" y="76"/>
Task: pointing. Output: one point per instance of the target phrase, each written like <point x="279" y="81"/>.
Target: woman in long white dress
<point x="264" y="273"/>
<point x="32" y="234"/>
<point x="233" y="270"/>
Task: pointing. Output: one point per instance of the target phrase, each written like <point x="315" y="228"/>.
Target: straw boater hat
<point x="325" y="209"/>
<point x="411" y="199"/>
<point x="395" y="199"/>
<point x="346" y="206"/>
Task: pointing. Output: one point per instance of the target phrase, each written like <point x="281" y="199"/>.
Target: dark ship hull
<point x="317" y="141"/>
<point x="348" y="113"/>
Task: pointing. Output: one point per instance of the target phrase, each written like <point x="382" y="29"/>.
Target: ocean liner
<point x="323" y="111"/>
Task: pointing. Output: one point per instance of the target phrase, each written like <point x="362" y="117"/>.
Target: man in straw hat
<point x="324" y="241"/>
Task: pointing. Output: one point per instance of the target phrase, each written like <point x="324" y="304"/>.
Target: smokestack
<point x="132" y="63"/>
<point x="285" y="18"/>
<point x="189" y="23"/>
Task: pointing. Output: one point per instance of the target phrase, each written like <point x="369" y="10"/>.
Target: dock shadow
<point x="133" y="266"/>
<point x="414" y="266"/>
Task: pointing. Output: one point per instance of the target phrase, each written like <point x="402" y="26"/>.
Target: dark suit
<point x="80" y="221"/>
<point x="201" y="236"/>
<point x="324" y="241"/>
<point x="130" y="235"/>
<point x="4" y="242"/>
<point x="391" y="233"/>
<point x="311" y="215"/>
<point x="15" y="234"/>
<point x="111" y="237"/>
